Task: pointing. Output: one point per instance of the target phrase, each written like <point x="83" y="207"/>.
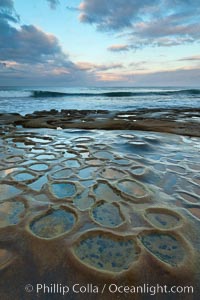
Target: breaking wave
<point x="51" y="94"/>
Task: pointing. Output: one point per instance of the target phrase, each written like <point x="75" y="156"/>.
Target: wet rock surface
<point x="96" y="206"/>
<point x="180" y="121"/>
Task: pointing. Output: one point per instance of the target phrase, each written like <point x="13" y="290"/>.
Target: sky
<point x="99" y="43"/>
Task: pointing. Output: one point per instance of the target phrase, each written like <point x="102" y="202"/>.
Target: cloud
<point x="190" y="58"/>
<point x="109" y="77"/>
<point x="72" y="8"/>
<point x="97" y="68"/>
<point x="28" y="44"/>
<point x="156" y="23"/>
<point x="140" y="66"/>
<point x="7" y="12"/>
<point x="179" y="77"/>
<point x="167" y="31"/>
<point x="118" y="48"/>
<point x="53" y="3"/>
<point x="49" y="73"/>
<point x="2" y="65"/>
<point x="6" y="4"/>
<point x="28" y="54"/>
<point x="115" y="14"/>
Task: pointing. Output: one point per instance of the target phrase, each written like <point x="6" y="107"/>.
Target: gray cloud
<point x="171" y="30"/>
<point x="27" y="52"/>
<point x="53" y="3"/>
<point x="7" y="12"/>
<point x="111" y="15"/>
<point x="156" y="22"/>
<point x="27" y="44"/>
<point x="42" y="75"/>
<point x="181" y="77"/>
<point x="6" y="3"/>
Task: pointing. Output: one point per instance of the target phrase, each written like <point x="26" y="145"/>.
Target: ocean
<point x="25" y="100"/>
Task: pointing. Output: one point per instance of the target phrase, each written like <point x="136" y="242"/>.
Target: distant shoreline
<point x="184" y="121"/>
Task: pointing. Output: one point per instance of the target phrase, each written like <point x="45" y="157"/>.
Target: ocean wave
<point x="15" y="94"/>
<point x="51" y="94"/>
<point x="37" y="94"/>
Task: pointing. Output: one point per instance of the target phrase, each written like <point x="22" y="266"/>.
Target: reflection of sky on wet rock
<point x="10" y="212"/>
<point x="106" y="252"/>
<point x="92" y="191"/>
<point x="165" y="246"/>
<point x="39" y="167"/>
<point x="163" y="218"/>
<point x="53" y="224"/>
<point x="107" y="214"/>
<point x="63" y="190"/>
<point x="7" y="191"/>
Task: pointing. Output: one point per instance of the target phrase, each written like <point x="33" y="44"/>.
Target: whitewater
<point x="26" y="100"/>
